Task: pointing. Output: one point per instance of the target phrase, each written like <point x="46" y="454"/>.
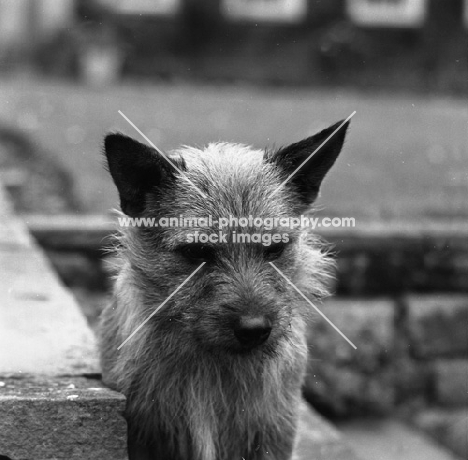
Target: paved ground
<point x="406" y="156"/>
<point x="391" y="440"/>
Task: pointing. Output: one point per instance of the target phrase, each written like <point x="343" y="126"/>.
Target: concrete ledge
<point x="40" y="323"/>
<point x="89" y="231"/>
<point x="373" y="258"/>
<point x="73" y="419"/>
<point x="49" y="409"/>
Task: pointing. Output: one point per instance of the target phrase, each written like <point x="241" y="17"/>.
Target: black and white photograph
<point x="233" y="229"/>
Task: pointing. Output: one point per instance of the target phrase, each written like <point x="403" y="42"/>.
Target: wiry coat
<point x="191" y="392"/>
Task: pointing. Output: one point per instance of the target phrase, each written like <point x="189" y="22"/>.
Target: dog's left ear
<point x="137" y="170"/>
<point x="308" y="178"/>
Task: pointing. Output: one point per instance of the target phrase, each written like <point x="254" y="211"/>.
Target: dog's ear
<point x="136" y="170"/>
<point x="310" y="168"/>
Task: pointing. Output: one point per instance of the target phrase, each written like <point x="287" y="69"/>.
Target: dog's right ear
<point x="136" y="170"/>
<point x="307" y="162"/>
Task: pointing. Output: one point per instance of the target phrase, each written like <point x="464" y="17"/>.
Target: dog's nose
<point x="252" y="331"/>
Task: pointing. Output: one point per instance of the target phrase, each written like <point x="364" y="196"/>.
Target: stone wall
<point x="411" y="353"/>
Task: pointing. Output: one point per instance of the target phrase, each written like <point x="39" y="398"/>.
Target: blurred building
<point x="23" y="22"/>
<point x="416" y="43"/>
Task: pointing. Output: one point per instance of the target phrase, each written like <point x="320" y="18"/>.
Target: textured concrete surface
<point x="50" y="407"/>
<point x="73" y="419"/>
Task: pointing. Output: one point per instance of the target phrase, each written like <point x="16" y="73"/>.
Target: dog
<point x="214" y="373"/>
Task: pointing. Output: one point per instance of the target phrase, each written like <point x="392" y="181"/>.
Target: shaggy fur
<point x="193" y="391"/>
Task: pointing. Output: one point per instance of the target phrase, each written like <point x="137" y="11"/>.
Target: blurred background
<point x="269" y="73"/>
<point x="261" y="72"/>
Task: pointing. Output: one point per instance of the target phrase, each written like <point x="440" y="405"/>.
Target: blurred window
<point x="13" y="22"/>
<point x="265" y="10"/>
<point x="387" y="13"/>
<point x="143" y="6"/>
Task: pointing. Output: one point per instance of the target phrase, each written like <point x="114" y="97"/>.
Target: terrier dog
<point x="216" y="372"/>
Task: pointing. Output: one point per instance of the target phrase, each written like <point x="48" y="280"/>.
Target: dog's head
<point x="223" y="212"/>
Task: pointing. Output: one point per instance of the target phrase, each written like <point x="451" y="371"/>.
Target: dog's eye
<point x="273" y="251"/>
<point x="197" y="252"/>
